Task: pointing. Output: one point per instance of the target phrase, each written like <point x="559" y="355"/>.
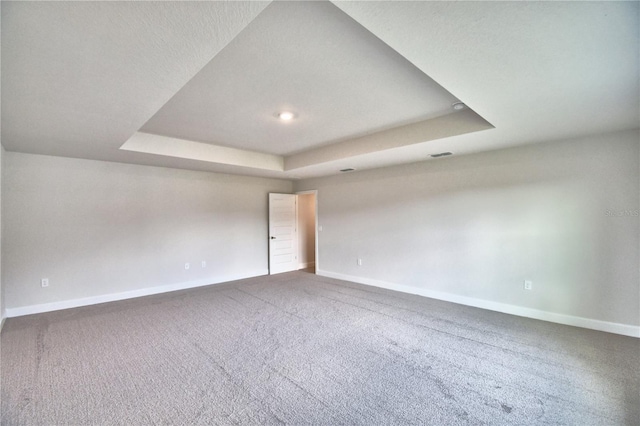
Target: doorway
<point x="293" y="235"/>
<point x="307" y="231"/>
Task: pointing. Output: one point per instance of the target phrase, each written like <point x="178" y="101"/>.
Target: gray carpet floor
<point x="299" y="349"/>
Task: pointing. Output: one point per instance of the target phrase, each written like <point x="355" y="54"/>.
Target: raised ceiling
<point x="196" y="85"/>
<point x="309" y="58"/>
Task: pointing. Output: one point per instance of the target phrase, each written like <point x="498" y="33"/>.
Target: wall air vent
<point x="442" y="154"/>
<point x="347" y="170"/>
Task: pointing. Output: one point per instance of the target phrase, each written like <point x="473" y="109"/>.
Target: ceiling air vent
<point x="442" y="154"/>
<point x="347" y="170"/>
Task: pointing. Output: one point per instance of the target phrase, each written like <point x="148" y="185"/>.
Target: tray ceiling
<point x="197" y="85"/>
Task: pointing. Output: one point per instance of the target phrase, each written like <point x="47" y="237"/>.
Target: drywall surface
<point x="563" y="215"/>
<point x="2" y="309"/>
<point x="97" y="228"/>
<point x="307" y="229"/>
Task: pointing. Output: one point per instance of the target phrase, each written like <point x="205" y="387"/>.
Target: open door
<point x="283" y="236"/>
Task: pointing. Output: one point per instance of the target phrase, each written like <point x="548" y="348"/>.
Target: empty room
<point x="320" y="213"/>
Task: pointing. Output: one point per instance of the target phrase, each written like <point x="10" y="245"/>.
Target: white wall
<point x="468" y="229"/>
<point x="96" y="229"/>
<point x="472" y="228"/>
<point x="2" y="307"/>
<point x="307" y="229"/>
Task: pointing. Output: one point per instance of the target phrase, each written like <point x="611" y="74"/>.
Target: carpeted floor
<point x="302" y="349"/>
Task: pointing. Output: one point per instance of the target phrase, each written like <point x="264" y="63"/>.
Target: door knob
<point x="273" y="238"/>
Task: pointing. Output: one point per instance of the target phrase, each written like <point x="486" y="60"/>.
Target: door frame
<point x="317" y="253"/>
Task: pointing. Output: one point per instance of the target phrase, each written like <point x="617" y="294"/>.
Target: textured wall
<point x="562" y="214"/>
<point x="2" y="310"/>
<point x="97" y="228"/>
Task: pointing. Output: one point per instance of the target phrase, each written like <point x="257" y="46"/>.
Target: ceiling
<point x="198" y="85"/>
<point x="309" y="58"/>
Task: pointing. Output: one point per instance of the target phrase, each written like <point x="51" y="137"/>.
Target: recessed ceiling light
<point x="458" y="106"/>
<point x="285" y="115"/>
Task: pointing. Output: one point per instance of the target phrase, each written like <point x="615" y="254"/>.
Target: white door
<point x="283" y="236"/>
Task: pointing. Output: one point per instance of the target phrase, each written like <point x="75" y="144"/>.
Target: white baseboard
<point x="94" y="300"/>
<point x="610" y="327"/>
<point x="306" y="265"/>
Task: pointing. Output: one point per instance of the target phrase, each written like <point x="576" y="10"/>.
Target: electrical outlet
<point x="528" y="285"/>
<point x="359" y="262"/>
<point x="187" y="266"/>
<point x="44" y="282"/>
<point x="204" y="263"/>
